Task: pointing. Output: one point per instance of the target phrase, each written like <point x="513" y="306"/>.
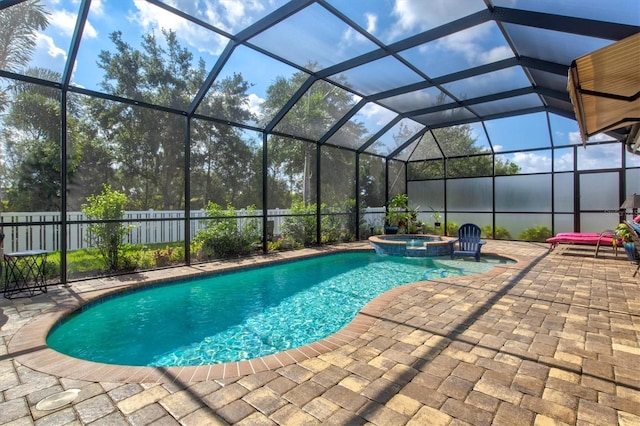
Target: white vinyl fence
<point x="149" y="227"/>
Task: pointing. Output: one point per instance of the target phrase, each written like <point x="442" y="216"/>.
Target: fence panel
<point x="149" y="227"/>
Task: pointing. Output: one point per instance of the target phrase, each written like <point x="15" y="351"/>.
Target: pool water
<point x="240" y="315"/>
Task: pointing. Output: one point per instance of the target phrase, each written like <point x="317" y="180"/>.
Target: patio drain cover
<point x="57" y="400"/>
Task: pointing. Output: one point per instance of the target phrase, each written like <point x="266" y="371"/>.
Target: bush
<point x="177" y="255"/>
<point x="130" y="259"/>
<point x="501" y="233"/>
<point x="222" y="237"/>
<point x="339" y="223"/>
<point x="146" y="259"/>
<point x="109" y="235"/>
<point x="537" y="233"/>
<point x="301" y="227"/>
<point x="52" y="269"/>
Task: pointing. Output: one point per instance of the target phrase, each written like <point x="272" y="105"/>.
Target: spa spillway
<point x="411" y="245"/>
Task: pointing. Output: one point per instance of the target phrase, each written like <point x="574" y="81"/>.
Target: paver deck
<point x="553" y="339"/>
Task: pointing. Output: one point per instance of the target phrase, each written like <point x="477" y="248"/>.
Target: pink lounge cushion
<point x="588" y="238"/>
<point x="637" y="219"/>
<point x="577" y="234"/>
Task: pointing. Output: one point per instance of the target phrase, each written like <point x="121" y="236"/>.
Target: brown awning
<point x="604" y="87"/>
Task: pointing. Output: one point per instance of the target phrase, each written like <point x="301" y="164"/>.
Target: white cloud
<point x="234" y="10"/>
<point x="97" y="8"/>
<point x="153" y="18"/>
<point x="532" y="162"/>
<point x="228" y="15"/>
<point x="150" y="16"/>
<point x="420" y="97"/>
<point x="414" y="16"/>
<point x="351" y="37"/>
<point x="495" y="54"/>
<point x="466" y="44"/>
<point x="600" y="137"/>
<point x="599" y="156"/>
<point x="65" y="22"/>
<point x="574" y="138"/>
<point x="377" y="114"/>
<point x="46" y="43"/>
<point x="372" y="22"/>
<point x="89" y="30"/>
<point x="559" y="136"/>
<point x="237" y="12"/>
<point x="255" y="105"/>
<point x="563" y="162"/>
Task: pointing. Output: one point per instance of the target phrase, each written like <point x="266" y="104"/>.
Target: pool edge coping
<point x="28" y="345"/>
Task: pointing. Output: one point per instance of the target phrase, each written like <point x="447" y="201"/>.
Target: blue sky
<point x="333" y="42"/>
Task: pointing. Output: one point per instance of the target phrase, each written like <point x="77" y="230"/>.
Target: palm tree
<point x="18" y="27"/>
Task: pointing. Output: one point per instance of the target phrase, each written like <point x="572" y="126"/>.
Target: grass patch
<point x="81" y="262"/>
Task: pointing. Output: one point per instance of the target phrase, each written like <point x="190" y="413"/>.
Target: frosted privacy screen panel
<point x="524" y="193"/>
<point x="474" y="194"/>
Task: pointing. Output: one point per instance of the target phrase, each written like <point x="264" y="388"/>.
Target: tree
<point x="32" y="145"/>
<point x="456" y="140"/>
<point x="18" y="27"/>
<point x="372" y="181"/>
<point x="91" y="159"/>
<point x="222" y="161"/>
<point x="314" y="113"/>
<point x="338" y="175"/>
<point x="148" y="145"/>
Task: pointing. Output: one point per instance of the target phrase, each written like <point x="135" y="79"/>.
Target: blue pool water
<point x="240" y="315"/>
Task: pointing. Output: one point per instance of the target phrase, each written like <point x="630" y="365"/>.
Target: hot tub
<point x="411" y="245"/>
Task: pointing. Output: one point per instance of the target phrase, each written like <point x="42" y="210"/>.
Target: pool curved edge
<point x="28" y="346"/>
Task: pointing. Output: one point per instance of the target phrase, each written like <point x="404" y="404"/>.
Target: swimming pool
<point x="239" y="315"/>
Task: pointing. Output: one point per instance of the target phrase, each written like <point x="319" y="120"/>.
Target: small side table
<point x="25" y="273"/>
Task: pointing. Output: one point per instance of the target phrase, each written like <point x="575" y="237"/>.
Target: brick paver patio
<point x="551" y="340"/>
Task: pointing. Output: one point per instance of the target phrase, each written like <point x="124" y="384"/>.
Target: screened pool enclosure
<point x="139" y="134"/>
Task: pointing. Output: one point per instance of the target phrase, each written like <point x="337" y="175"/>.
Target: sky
<point x="334" y="42"/>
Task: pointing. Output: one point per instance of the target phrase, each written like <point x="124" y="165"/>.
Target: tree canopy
<point x="455" y="140"/>
<point x="142" y="151"/>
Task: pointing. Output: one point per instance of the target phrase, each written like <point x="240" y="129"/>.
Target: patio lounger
<point x="585" y="238"/>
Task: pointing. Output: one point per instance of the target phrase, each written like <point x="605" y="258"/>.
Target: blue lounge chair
<point x="468" y="242"/>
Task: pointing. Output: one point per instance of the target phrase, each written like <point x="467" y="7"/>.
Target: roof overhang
<point x="604" y="87"/>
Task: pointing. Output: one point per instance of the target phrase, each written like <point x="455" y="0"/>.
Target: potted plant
<point x="437" y="216"/>
<point x="398" y="215"/>
<point x="624" y="233"/>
